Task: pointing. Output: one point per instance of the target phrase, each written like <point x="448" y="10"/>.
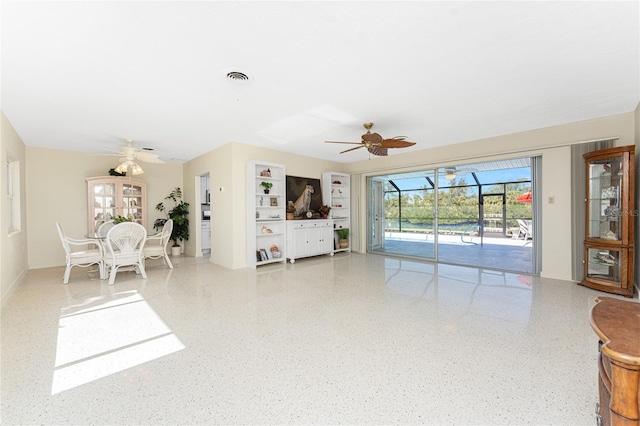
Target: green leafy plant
<point x="120" y="219"/>
<point x="179" y="213"/>
<point x="343" y="234"/>
<point x="267" y="185"/>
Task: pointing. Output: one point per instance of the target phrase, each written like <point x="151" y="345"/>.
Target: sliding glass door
<point x="471" y="215"/>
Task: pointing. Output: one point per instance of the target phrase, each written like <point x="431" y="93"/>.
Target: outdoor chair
<point x="83" y="258"/>
<point x="125" y="248"/>
<point x="158" y="247"/>
<point x="525" y="230"/>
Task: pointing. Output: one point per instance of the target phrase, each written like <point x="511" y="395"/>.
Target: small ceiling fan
<point x="131" y="154"/>
<point x="375" y="143"/>
<point x="452" y="172"/>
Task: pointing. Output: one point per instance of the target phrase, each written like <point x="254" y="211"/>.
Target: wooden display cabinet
<point x="610" y="213"/>
<point x="109" y="197"/>
<point x="617" y="324"/>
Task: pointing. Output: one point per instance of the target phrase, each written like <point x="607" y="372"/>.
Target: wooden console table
<point x="617" y="324"/>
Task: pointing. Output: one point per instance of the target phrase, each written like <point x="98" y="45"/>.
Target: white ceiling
<point x="85" y="75"/>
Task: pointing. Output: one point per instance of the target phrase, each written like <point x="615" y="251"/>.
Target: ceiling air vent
<point x="237" y="76"/>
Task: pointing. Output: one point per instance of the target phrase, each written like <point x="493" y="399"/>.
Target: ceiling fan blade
<point x="377" y="150"/>
<point x="148" y="157"/>
<point x="125" y="150"/>
<point x="396" y="143"/>
<point x="353" y="143"/>
<point x="352" y="149"/>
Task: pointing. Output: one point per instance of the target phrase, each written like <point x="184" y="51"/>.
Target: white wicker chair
<point x="158" y="247"/>
<point x="83" y="258"/>
<point x="104" y="228"/>
<point x="125" y="245"/>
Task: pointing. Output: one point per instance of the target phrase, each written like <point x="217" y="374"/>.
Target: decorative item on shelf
<point x="324" y="211"/>
<point x="608" y="235"/>
<point x="267" y="186"/>
<point x="303" y="203"/>
<point x="612" y="213"/>
<point x="261" y="200"/>
<point x="336" y="182"/>
<point x="343" y="235"/>
<point x="266" y="230"/>
<point x="179" y="213"/>
<point x="290" y="212"/>
<point x="609" y="192"/>
<point x="265" y="173"/>
<point x="273" y="202"/>
<point x="257" y="214"/>
<point x="606" y="258"/>
<point x="275" y="251"/>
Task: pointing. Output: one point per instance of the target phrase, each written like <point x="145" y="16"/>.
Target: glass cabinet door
<point x="605" y="195"/>
<point x="110" y="197"/>
<point x="132" y="202"/>
<point x="104" y="203"/>
<point x="604" y="264"/>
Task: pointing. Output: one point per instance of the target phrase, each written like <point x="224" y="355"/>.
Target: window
<point x="13" y="195"/>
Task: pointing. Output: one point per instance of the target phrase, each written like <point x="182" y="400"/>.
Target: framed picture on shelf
<point x="273" y="202"/>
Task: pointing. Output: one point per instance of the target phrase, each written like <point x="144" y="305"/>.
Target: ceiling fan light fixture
<point x="136" y="169"/>
<point x="125" y="165"/>
<point x="122" y="168"/>
<point x="450" y="174"/>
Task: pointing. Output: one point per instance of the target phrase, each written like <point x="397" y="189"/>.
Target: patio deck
<point x="503" y="253"/>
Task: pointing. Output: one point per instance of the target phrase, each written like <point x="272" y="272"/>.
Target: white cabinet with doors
<point x="111" y="196"/>
<point x="266" y="199"/>
<point x="206" y="235"/>
<point x="309" y="238"/>
<point x="336" y="193"/>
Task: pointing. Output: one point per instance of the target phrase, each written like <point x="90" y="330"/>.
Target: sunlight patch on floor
<point x="106" y="335"/>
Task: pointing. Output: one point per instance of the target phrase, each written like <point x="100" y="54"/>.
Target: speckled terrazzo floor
<point x="353" y="339"/>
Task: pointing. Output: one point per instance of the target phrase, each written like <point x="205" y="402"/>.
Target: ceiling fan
<point x="452" y="172"/>
<point x="129" y="157"/>
<point x="375" y="143"/>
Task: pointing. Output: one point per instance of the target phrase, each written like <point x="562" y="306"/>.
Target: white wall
<point x="57" y="191"/>
<point x="13" y="247"/>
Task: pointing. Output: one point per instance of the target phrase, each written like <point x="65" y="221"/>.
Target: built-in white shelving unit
<point x="265" y="213"/>
<point x="336" y="194"/>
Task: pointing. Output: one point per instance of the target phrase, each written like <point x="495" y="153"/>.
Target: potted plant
<point x="120" y="219"/>
<point x="343" y="235"/>
<point x="179" y="213"/>
<point x="267" y="186"/>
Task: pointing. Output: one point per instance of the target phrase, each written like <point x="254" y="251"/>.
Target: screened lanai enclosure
<point x="478" y="215"/>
